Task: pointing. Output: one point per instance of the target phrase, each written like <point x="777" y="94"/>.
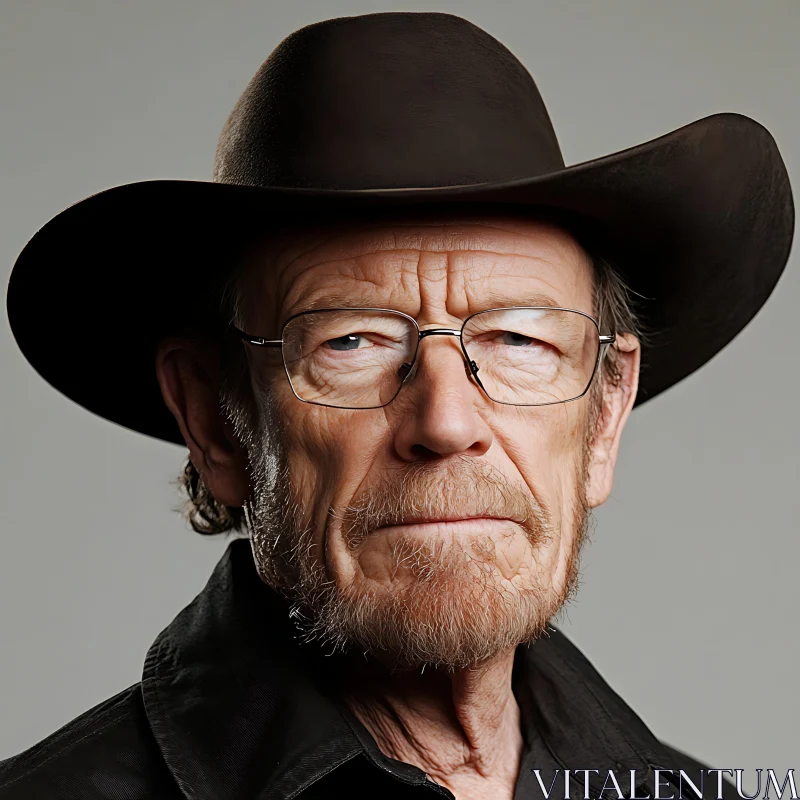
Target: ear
<point x="188" y="372"/>
<point x="617" y="404"/>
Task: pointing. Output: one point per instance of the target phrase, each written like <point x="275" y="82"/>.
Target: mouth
<point x="455" y="523"/>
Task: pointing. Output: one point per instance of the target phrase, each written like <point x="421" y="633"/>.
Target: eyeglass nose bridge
<point x="439" y="332"/>
<point x="407" y="371"/>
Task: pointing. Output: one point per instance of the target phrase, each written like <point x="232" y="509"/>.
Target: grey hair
<point x="615" y="310"/>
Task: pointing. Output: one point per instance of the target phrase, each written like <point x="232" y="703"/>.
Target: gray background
<point x="690" y="600"/>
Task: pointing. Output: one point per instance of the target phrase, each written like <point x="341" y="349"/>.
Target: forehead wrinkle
<point x="353" y="243"/>
<point x="539" y="291"/>
<point x="403" y="290"/>
<point x="352" y="272"/>
<point x="360" y="263"/>
<point x="526" y="286"/>
<point x="284" y="272"/>
<point x="466" y="263"/>
<point x="354" y="247"/>
<point x="446" y="237"/>
<point x="402" y="234"/>
<point x="516" y="228"/>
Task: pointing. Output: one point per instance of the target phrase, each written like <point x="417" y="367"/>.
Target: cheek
<point x="546" y="448"/>
<point x="545" y="444"/>
<point x="329" y="451"/>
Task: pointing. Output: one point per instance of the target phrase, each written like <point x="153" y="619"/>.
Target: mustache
<point x="462" y="489"/>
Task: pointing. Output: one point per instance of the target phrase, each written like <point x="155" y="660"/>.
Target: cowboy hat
<point x="371" y="113"/>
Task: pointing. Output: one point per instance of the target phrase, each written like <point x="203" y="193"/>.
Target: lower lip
<point x="460" y="526"/>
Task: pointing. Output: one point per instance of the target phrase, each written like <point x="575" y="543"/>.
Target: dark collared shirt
<point x="231" y="707"/>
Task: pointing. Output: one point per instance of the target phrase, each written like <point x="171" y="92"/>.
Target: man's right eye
<point x="350" y="341"/>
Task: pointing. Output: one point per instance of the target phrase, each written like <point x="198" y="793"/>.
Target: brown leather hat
<point x="367" y="113"/>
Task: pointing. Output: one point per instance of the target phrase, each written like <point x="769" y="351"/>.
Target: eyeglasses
<point x="360" y="358"/>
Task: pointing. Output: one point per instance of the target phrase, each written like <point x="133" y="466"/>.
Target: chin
<point x="446" y="606"/>
<point x="451" y="623"/>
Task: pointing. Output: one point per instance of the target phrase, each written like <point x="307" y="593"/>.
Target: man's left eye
<point x="514" y="338"/>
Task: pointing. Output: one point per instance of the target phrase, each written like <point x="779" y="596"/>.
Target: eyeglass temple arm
<point x="608" y="338"/>
<point x="256" y="340"/>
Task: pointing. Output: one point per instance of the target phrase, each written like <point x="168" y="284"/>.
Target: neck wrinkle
<point x="461" y="729"/>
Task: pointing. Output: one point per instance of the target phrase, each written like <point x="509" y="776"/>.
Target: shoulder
<point x="687" y="768"/>
<point x="107" y="747"/>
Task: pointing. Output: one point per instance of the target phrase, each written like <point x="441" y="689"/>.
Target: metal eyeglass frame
<point x="472" y="368"/>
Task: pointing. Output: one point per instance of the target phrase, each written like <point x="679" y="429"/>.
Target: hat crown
<point x="388" y="100"/>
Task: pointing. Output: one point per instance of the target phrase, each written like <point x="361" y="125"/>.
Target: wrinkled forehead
<point x="470" y="259"/>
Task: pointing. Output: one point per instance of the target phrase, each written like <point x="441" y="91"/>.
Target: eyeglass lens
<point x="359" y="359"/>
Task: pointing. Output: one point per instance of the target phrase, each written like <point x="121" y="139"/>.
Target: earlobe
<point x="188" y="373"/>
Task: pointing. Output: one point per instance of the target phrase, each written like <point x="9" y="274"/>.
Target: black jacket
<point x="230" y="707"/>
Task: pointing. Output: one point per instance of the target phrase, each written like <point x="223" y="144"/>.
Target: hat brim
<point x="699" y="221"/>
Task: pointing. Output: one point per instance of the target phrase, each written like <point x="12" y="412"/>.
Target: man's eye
<point x="514" y="338"/>
<point x="350" y="341"/>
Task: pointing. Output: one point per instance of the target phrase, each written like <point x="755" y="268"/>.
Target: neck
<point x="462" y="728"/>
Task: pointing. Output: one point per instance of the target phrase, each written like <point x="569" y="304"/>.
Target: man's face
<point x="444" y="527"/>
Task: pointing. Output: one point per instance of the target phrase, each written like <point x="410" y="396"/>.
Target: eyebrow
<point x="334" y="300"/>
<point x="493" y="299"/>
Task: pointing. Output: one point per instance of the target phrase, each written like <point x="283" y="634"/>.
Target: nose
<point x="437" y="408"/>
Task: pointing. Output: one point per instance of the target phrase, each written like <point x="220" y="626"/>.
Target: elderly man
<point x="398" y="338"/>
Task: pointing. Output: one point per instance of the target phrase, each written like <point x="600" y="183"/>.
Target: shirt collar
<point x="239" y="710"/>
